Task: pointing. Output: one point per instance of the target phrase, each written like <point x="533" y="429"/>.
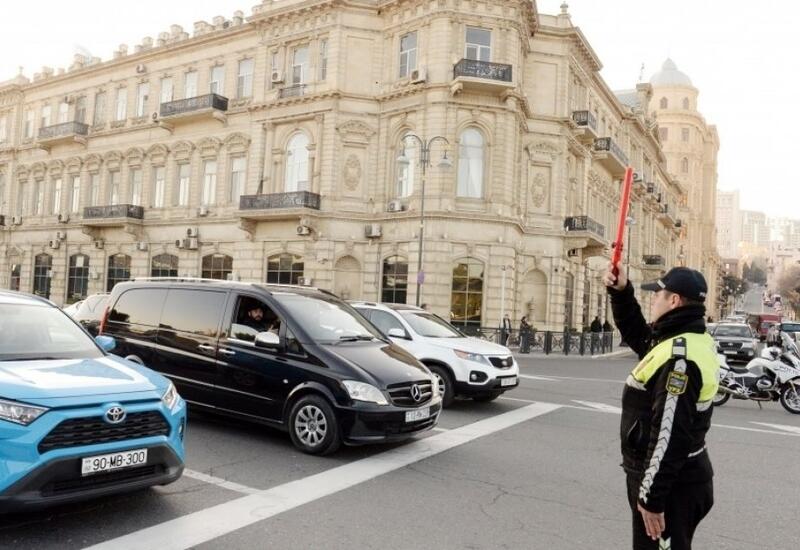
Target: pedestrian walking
<point x="596" y="328"/>
<point x="666" y="407"/>
<point x="596" y="325"/>
<point x="524" y="335"/>
<point x="505" y="329"/>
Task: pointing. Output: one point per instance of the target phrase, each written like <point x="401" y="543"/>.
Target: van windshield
<point x="33" y="332"/>
<point x="327" y="320"/>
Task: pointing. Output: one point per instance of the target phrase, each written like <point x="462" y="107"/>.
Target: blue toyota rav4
<point x="75" y="422"/>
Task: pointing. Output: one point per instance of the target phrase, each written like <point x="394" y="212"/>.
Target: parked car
<point x="464" y="366"/>
<point x="792" y="328"/>
<point x="760" y="323"/>
<point x="295" y="358"/>
<point x="736" y="341"/>
<point x="72" y="309"/>
<point x="76" y="422"/>
<point x="89" y="312"/>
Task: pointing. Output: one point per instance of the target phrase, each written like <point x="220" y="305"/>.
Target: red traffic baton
<point x="624" y="202"/>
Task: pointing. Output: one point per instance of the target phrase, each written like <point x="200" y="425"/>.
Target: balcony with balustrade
<point x="295" y="90"/>
<point x="208" y="106"/>
<point x="611" y="156"/>
<point x="585" y="126"/>
<point x="113" y="215"/>
<point x="277" y="206"/>
<point x="62" y="133"/>
<point x="653" y="262"/>
<point x="584" y="232"/>
<point x="482" y="76"/>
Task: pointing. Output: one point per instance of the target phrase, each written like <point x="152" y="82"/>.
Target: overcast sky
<point x="742" y="58"/>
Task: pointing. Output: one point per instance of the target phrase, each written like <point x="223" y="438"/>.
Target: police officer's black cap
<point x="687" y="282"/>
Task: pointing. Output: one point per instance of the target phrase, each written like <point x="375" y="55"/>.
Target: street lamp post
<point x="424" y="161"/>
<point x="629" y="221"/>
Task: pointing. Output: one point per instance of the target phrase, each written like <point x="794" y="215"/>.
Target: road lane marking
<point x="575" y="378"/>
<point x="219" y="482"/>
<point x="790" y="429"/>
<point x="542" y="378"/>
<point x="200" y="527"/>
<point x="438" y="429"/>
<point x="602" y="407"/>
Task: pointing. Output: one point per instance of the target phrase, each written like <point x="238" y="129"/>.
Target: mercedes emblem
<point x="416" y="393"/>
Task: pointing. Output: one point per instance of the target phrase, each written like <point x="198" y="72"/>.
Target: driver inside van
<point x="256" y="316"/>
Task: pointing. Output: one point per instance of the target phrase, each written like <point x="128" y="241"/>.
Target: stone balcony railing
<point x="296" y="90"/>
<point x="296" y="199"/>
<point x="482" y="69"/>
<point x="584" y="119"/>
<point x="212" y="102"/>
<point x="608" y="145"/>
<point x="113" y="211"/>
<point x="653" y="260"/>
<point x="64" y="130"/>
<point x="584" y="223"/>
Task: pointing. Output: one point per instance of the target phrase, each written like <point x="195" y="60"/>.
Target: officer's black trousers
<point x="687" y="504"/>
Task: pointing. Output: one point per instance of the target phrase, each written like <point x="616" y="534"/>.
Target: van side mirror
<point x="267" y="340"/>
<point x="397" y="333"/>
<point x="106" y="343"/>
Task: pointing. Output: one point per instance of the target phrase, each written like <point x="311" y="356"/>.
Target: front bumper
<point x="739" y="354"/>
<point x="365" y="423"/>
<point x="490" y="387"/>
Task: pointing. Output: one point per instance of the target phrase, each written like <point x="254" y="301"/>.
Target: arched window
<point x="217" y="266"/>
<point x="470" y="164"/>
<point x="663" y="103"/>
<point x="285" y="269"/>
<point x="297" y="164"/>
<point x="164" y="265"/>
<point x="685" y="165"/>
<point x="119" y="270"/>
<point x="42" y="265"/>
<point x="16" y="272"/>
<point x="77" y="278"/>
<point x="466" y="299"/>
<point x="394" y="283"/>
<point x="686" y="103"/>
<point x="405" y="172"/>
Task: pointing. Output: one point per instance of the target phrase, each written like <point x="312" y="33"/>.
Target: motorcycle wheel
<point x="790" y="398"/>
<point x="720" y="398"/>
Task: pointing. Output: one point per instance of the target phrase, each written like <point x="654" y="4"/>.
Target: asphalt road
<point x="537" y="469"/>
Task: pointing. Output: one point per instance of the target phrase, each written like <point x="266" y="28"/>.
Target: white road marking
<point x="438" y="429"/>
<point x="790" y="429"/>
<point x="574" y="378"/>
<point x="218" y="481"/>
<point x="602" y="407"/>
<point x="205" y="525"/>
<point x="542" y="378"/>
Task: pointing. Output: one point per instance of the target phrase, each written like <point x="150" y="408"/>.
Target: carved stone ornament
<point x="74" y="165"/>
<point x="158" y="154"/>
<point x="38" y="170"/>
<point x="22" y="172"/>
<point x="183" y="150"/>
<point x="355" y="132"/>
<point x="544" y="148"/>
<point x="352" y="173"/>
<point x="237" y="142"/>
<point x="55" y="167"/>
<point x="93" y="163"/>
<point x="209" y="147"/>
<point x="134" y="156"/>
<point x="539" y="190"/>
<point x="113" y="160"/>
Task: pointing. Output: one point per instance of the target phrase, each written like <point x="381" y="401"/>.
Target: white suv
<point x="464" y="365"/>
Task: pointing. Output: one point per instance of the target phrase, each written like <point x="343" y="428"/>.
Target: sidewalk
<point x="617" y="351"/>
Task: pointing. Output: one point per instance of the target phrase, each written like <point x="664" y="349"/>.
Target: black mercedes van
<point x="293" y="357"/>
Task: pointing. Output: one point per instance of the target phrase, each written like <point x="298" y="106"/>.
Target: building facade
<point x="283" y="147"/>
<point x="729" y="224"/>
<point x="691" y="146"/>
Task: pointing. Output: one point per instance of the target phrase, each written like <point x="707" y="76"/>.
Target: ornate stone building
<point x="276" y="147"/>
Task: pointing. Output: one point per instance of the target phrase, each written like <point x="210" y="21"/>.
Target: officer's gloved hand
<point x="616" y="281"/>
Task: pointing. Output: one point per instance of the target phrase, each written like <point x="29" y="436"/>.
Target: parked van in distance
<point x="292" y="357"/>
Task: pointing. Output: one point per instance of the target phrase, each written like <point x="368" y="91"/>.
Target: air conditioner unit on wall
<point x="54" y="244"/>
<point x="395" y="206"/>
<point x="193" y="232"/>
<point x="304" y="281"/>
<point x="191" y="243"/>
<point x="141" y="68"/>
<point x="141" y="246"/>
<point x="178" y="243"/>
<point x="419" y="75"/>
<point x="372" y="230"/>
<point x="202" y="211"/>
<point x="277" y="77"/>
<point x="63" y="218"/>
<point x="61" y="235"/>
<point x="98" y="244"/>
<point x="303" y="230"/>
<point x="16" y="220"/>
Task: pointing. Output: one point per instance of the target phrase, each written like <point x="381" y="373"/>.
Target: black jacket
<point x="679" y="457"/>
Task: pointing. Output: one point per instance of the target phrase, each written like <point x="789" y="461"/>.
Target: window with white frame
<point x="63" y="112"/>
<point x="94" y="189"/>
<point x="299" y="65"/>
<point x="45" y="117"/>
<point x="244" y="80"/>
<point x="209" y="183"/>
<point x="184" y="179"/>
<point x="99" y="108"/>
<point x="55" y="205"/>
<point x="238" y="173"/>
<point x="159" y="174"/>
<point x="297" y="164"/>
<point x="121" y="111"/>
<point x="29" y="122"/>
<point x="75" y="198"/>
<point x="479" y="44"/>
<point x="323" y="59"/>
<point x="190" y="84"/>
<point x="217" y="80"/>
<point x="38" y="197"/>
<point x="142" y="92"/>
<point x="80" y="109"/>
<point x="408" y="54"/>
<point x="114" y="187"/>
<point x="405" y="172"/>
<point x="470" y="164"/>
<point x="167" y="90"/>
<point x="3" y="128"/>
<point x="136" y="186"/>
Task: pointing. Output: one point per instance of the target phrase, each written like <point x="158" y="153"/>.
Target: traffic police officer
<point x="666" y="407"/>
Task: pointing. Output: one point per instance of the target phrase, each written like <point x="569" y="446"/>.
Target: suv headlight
<point x="170" y="397"/>
<point x="747" y="345"/>
<point x="360" y="391"/>
<point x="19" y="413"/>
<point x="474" y="357"/>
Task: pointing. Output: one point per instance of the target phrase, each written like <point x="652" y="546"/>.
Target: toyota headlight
<point x="170" y="397"/>
<point x="474" y="357"/>
<point x="19" y="413"/>
<point x="360" y="391"/>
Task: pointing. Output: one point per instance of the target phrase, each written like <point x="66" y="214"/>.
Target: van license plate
<point x="508" y="381"/>
<point x="115" y="461"/>
<point x="419" y="414"/>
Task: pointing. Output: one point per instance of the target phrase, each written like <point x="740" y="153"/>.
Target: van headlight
<point x="19" y="413"/>
<point x="360" y="391"/>
<point x="170" y="397"/>
<point x="474" y="357"/>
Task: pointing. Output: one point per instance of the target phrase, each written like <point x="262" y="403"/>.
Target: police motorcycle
<point x="773" y="376"/>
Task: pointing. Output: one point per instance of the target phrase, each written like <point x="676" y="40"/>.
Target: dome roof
<point x="669" y="75"/>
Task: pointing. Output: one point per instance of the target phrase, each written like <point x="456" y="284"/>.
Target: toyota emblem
<point x="416" y="393"/>
<point x="115" y="415"/>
